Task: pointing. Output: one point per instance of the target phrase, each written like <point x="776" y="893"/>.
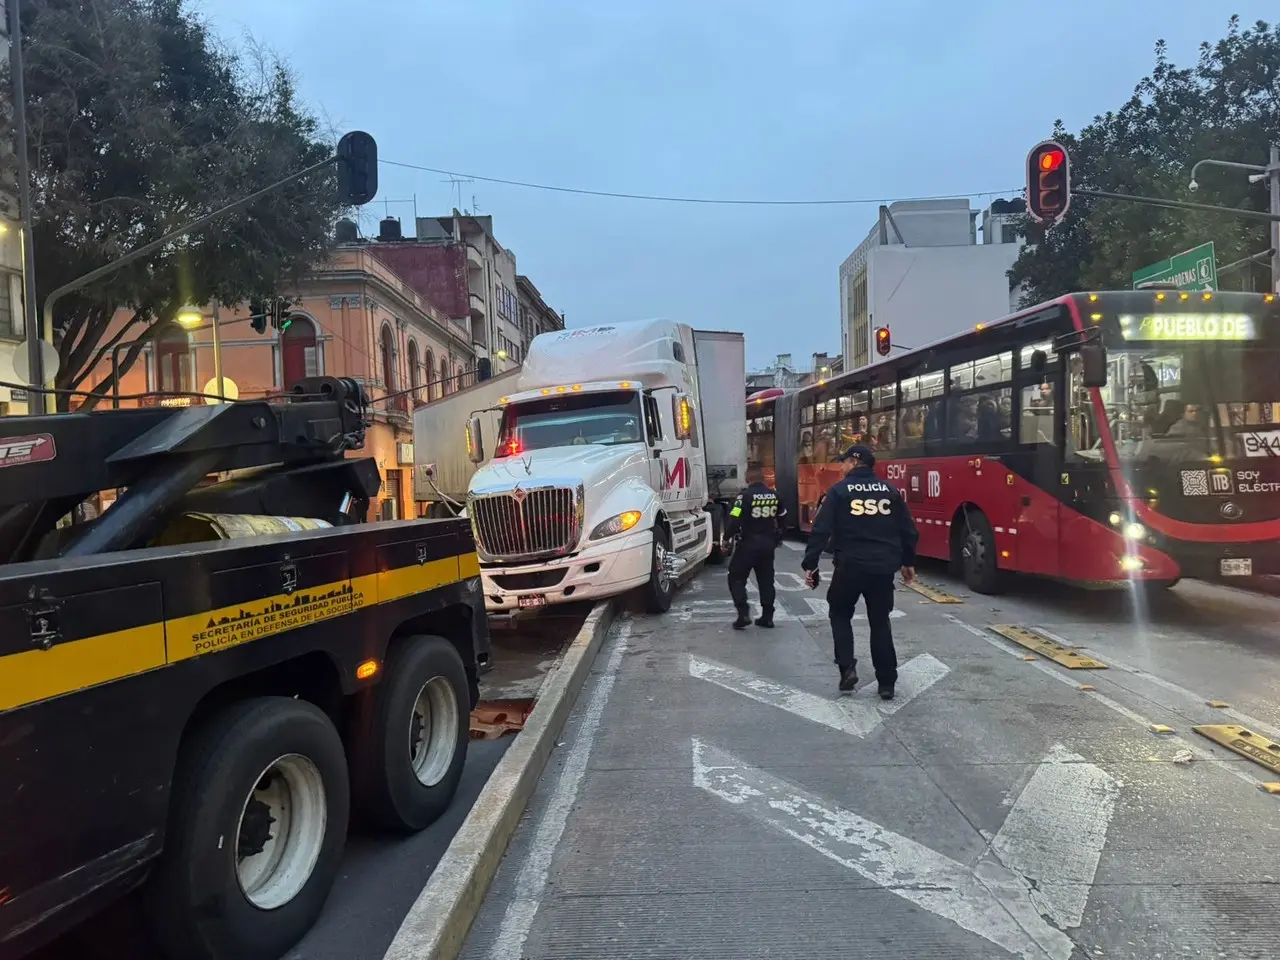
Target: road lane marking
<point x="517" y="921"/>
<point x="914" y="677"/>
<point x="988" y="899"/>
<point x="794" y="545"/>
<point x="1057" y="652"/>
<point x="1208" y="756"/>
<point x="843" y="714"/>
<point x="718" y="611"/>
<point x="819" y="609"/>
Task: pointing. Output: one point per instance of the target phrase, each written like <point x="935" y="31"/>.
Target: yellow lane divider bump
<point x="1160" y="728"/>
<point x="1248" y="744"/>
<point x="1050" y="649"/>
<point x="937" y="596"/>
<point x="1086" y="686"/>
<point x="1272" y="788"/>
<point x="1219" y="704"/>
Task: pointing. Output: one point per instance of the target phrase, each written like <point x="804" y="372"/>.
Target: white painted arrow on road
<point x="991" y="898"/>
<point x="857" y="715"/>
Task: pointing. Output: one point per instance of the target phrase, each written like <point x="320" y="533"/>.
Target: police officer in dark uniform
<point x="756" y="516"/>
<point x="868" y="524"/>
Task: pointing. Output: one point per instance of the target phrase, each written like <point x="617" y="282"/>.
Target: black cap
<point x="860" y="452"/>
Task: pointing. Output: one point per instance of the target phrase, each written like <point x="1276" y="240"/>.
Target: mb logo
<point x="935" y="483"/>
<point x="1221" y="481"/>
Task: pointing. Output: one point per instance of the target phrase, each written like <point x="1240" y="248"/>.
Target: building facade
<point x="11" y="309"/>
<point x="352" y="317"/>
<point x="535" y="316"/>
<point x="922" y="272"/>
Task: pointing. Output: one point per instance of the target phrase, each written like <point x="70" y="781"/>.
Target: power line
<point x="705" y="200"/>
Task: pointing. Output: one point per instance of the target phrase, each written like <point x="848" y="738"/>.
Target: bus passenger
<point x="874" y="536"/>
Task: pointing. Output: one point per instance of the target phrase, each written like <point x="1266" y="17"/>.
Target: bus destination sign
<point x="1188" y="326"/>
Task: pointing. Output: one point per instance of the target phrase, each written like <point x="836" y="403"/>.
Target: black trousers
<point x="751" y="557"/>
<point x="847" y="586"/>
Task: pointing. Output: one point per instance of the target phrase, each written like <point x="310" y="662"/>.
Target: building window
<point x="446" y="387"/>
<point x="7" y="304"/>
<point x="299" y="351"/>
<point x="415" y="372"/>
<point x="429" y="366"/>
<point x="388" y="359"/>
<point x="174" y="370"/>
<point x="461" y="377"/>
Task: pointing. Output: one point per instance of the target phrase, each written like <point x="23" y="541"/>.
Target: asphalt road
<point x="715" y="797"/>
<point x="380" y="877"/>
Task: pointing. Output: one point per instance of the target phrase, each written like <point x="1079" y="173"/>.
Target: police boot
<point x="886" y="691"/>
<point x="744" y="618"/>
<point x="848" y="678"/>
<point x="766" y="618"/>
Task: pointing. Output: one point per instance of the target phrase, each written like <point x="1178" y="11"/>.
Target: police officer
<point x="757" y="516"/>
<point x="868" y="523"/>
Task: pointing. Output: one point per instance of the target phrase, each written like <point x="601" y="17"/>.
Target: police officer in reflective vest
<point x="868" y="524"/>
<point x="756" y="516"/>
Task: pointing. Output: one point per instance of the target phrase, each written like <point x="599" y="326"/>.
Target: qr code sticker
<point x="1195" y="483"/>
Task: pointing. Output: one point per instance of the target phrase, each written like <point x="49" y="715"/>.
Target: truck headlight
<point x="616" y="525"/>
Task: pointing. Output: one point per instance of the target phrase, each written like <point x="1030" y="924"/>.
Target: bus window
<point x="981" y="410"/>
<point x="1083" y="439"/>
<point x="806" y="414"/>
<point x="1038" y="412"/>
<point x="883" y="419"/>
<point x="920" y="416"/>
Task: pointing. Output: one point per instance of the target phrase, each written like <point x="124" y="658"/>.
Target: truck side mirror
<point x="475" y="441"/>
<point x="682" y="413"/>
<point x="1093" y="364"/>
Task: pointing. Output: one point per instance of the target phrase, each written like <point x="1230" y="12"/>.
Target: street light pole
<point x="1272" y="172"/>
<point x="217" y="353"/>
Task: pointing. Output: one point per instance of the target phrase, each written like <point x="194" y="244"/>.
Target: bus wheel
<point x="978" y="555"/>
<point x="257" y="823"/>
<point x="411" y="735"/>
<point x="661" y="587"/>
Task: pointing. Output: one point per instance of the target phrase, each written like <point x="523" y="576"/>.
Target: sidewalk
<point x="714" y="797"/>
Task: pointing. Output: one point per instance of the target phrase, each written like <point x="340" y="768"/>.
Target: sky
<point x="873" y="100"/>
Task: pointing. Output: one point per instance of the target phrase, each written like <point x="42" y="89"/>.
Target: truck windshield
<point x="1172" y="403"/>
<point x="570" y="420"/>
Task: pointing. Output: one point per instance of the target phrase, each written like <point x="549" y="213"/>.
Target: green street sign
<point x="1194" y="269"/>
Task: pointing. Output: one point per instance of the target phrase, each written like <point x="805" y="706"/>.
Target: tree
<point x="1226" y="107"/>
<point x="139" y="123"/>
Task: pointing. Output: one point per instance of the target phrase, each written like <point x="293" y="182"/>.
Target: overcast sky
<point x="737" y="99"/>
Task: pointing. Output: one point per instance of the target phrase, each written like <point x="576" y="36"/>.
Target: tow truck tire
<point x="411" y="736"/>
<point x="660" y="589"/>
<point x="718" y="554"/>
<point x="276" y="754"/>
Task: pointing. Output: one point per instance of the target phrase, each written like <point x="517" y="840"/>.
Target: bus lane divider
<point x="1263" y="751"/>
<point x="1049" y="649"/>
<point x="932" y="593"/>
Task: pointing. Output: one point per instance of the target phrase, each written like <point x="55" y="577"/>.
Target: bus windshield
<point x="570" y="420"/>
<point x="1177" y="402"/>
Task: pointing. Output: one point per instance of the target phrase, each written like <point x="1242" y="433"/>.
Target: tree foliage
<point x="1225" y="107"/>
<point x="139" y="122"/>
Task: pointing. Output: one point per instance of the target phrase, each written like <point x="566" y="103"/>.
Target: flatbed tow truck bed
<point x="199" y="687"/>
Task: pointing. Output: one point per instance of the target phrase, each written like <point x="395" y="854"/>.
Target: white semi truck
<point x="607" y="467"/>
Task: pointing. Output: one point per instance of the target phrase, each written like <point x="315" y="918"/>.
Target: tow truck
<point x="201" y="685"/>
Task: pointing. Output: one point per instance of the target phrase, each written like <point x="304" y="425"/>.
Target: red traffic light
<point x="1048" y="182"/>
<point x="883" y="344"/>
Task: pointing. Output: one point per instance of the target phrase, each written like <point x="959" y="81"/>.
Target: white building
<point x="922" y="273"/>
<point x="11" y="326"/>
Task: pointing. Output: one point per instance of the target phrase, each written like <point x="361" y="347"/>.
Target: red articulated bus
<point x="1106" y="439"/>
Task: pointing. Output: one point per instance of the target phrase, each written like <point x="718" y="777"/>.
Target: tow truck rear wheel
<point x="257" y="823"/>
<point x="661" y="588"/>
<point x="412" y="731"/>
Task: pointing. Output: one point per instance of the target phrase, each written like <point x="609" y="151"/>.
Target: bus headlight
<point x="1115" y="519"/>
<point x="616" y="525"/>
<point x="1131" y="564"/>
<point x="1134" y="531"/>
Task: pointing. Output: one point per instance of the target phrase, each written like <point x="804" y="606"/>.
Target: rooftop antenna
<point x="457" y="187"/>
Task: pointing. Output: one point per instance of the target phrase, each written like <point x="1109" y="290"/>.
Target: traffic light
<point x="278" y="311"/>
<point x="258" y="316"/>
<point x="357" y="168"/>
<point x="883" y="342"/>
<point x="1048" y="182"/>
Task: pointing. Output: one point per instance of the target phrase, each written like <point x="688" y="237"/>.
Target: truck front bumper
<point x="602" y="569"/>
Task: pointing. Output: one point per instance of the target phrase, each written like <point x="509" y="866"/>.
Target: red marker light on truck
<point x="513" y="447"/>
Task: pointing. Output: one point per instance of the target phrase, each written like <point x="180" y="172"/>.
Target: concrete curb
<point x="437" y="923"/>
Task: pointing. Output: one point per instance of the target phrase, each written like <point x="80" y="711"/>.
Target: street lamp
<point x="1258" y="173"/>
<point x="192" y="318"/>
<point x="501" y="354"/>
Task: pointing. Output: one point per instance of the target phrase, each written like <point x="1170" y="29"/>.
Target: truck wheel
<point x="978" y="555"/>
<point x="412" y="732"/>
<point x="661" y="587"/>
<point x="718" y="554"/>
<point x="257" y="823"/>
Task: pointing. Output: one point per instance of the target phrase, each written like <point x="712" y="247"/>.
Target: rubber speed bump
<point x="937" y="596"/>
<point x="1242" y="740"/>
<point x="1050" y="649"/>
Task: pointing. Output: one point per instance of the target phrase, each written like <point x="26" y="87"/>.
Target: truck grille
<point x="525" y="523"/>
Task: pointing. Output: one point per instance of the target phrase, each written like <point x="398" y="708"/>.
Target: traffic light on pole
<point x="357" y="169"/>
<point x="280" y="320"/>
<point x="1048" y="182"/>
<point x="883" y="342"/>
<point x="258" y="316"/>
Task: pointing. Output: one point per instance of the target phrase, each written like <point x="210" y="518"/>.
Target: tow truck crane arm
<point x="294" y="453"/>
